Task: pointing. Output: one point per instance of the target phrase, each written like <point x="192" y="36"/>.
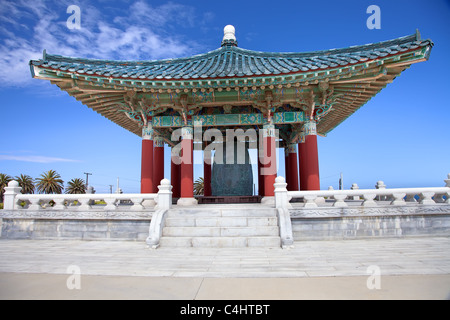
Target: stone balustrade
<point x="363" y="213"/>
<point x="364" y="197"/>
<point x="14" y="200"/>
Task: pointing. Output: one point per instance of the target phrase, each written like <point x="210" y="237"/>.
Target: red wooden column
<point x="269" y="161"/>
<point x="158" y="162"/>
<point x="291" y="165"/>
<point x="260" y="168"/>
<point x="187" y="167"/>
<point x="286" y="165"/>
<point x="207" y="173"/>
<point x="309" y="158"/>
<point x="175" y="165"/>
<point x="147" y="160"/>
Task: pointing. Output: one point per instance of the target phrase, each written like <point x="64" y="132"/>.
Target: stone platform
<point x="228" y="225"/>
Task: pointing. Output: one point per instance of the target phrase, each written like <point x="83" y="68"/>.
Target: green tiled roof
<point x="231" y="62"/>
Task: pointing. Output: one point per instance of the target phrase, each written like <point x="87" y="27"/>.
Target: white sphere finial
<point x="229" y="35"/>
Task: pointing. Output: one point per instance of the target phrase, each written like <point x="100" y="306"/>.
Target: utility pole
<point x="110" y="188"/>
<point x="341" y="182"/>
<point x="87" y="179"/>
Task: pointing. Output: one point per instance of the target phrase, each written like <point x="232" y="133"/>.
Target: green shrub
<point x="1" y="205"/>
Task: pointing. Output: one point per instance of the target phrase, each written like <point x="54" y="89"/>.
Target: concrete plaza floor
<point x="408" y="268"/>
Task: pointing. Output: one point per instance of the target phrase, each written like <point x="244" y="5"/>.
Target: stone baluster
<point x="426" y="198"/>
<point x="411" y="197"/>
<point x="340" y="200"/>
<point x="310" y="201"/>
<point x="84" y="203"/>
<point x="137" y="203"/>
<point x="59" y="203"/>
<point x="398" y="198"/>
<point x="35" y="204"/>
<point x="369" y="199"/>
<point x="110" y="204"/>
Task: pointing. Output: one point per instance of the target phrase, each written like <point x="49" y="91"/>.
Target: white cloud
<point x="142" y="32"/>
<point x="38" y="159"/>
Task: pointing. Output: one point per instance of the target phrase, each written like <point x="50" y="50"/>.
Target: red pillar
<point x="309" y="159"/>
<point x="147" y="160"/>
<point x="269" y="171"/>
<point x="207" y="173"/>
<point x="260" y="168"/>
<point x="175" y="173"/>
<point x="187" y="163"/>
<point x="286" y="166"/>
<point x="292" y="171"/>
<point x="158" y="162"/>
<point x="301" y="168"/>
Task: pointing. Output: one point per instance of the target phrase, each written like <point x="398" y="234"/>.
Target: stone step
<point x="195" y="221"/>
<point x="209" y="212"/>
<point x="220" y="231"/>
<point x="221" y="226"/>
<point x="221" y="242"/>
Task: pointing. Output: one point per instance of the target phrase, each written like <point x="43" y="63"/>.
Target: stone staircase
<point x="213" y="226"/>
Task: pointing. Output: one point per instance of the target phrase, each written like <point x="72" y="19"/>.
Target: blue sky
<point x="401" y="136"/>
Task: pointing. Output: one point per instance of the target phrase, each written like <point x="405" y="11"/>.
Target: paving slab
<point x="43" y="286"/>
<point x="408" y="268"/>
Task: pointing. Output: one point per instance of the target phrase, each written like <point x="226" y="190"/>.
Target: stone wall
<point x="372" y="226"/>
<point x="75" y="229"/>
<point x="53" y="224"/>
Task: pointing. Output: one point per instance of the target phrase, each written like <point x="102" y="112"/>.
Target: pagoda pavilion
<point x="288" y="97"/>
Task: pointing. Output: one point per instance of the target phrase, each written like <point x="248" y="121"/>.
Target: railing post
<point x="380" y="185"/>
<point x="281" y="193"/>
<point x="282" y="204"/>
<point x="165" y="195"/>
<point x="447" y="184"/>
<point x="355" y="187"/>
<point x="9" y="197"/>
<point x="447" y="181"/>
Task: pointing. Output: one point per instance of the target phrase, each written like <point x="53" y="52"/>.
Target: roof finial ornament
<point x="229" y="37"/>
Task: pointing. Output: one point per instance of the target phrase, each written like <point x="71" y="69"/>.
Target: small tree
<point x="199" y="187"/>
<point x="50" y="182"/>
<point x="4" y="180"/>
<point x="26" y="183"/>
<point x="76" y="186"/>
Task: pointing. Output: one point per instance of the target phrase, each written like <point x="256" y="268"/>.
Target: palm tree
<point x="199" y="186"/>
<point x="76" y="186"/>
<point x="50" y="182"/>
<point x="4" y="180"/>
<point x="26" y="183"/>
